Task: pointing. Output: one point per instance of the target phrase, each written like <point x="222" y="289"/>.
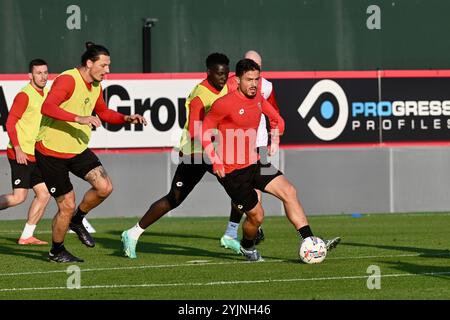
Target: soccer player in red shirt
<point x="191" y="168"/>
<point x="23" y="126"/>
<point x="236" y="162"/>
<point x="62" y="145"/>
<point x="265" y="88"/>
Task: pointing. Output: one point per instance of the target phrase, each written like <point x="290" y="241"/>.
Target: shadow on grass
<point x="442" y="272"/>
<point x="173" y="235"/>
<point x="30" y="251"/>
<point x="146" y="245"/>
<point x="422" y="252"/>
<point x="411" y="268"/>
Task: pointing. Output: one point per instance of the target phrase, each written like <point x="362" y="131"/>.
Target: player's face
<point x="99" y="68"/>
<point x="39" y="76"/>
<point x="218" y="76"/>
<point x="248" y="83"/>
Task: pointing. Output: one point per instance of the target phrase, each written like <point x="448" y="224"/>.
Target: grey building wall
<point x="340" y="180"/>
<point x="329" y="181"/>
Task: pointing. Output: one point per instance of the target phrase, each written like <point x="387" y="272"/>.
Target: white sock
<point x="28" y="231"/>
<point x="135" y="232"/>
<point x="232" y="229"/>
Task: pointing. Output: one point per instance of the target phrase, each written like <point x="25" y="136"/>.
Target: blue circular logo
<point x="326" y="109"/>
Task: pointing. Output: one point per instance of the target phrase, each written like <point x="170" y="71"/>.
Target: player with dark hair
<point x="62" y="145"/>
<point x="191" y="168"/>
<point x="237" y="165"/>
<point x="265" y="89"/>
<point x="22" y="126"/>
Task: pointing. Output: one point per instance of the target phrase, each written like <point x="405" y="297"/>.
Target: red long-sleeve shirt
<point x="61" y="90"/>
<point x="18" y="108"/>
<point x="237" y="118"/>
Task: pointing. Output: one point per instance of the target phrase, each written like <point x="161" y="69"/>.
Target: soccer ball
<point x="312" y="250"/>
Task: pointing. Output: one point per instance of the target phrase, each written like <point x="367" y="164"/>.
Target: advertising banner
<point x="320" y="108"/>
<point x="370" y="107"/>
<point x="161" y="101"/>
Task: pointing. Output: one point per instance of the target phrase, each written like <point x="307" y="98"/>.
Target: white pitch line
<point x="219" y="283"/>
<point x="136" y="267"/>
<point x="390" y="256"/>
<point x="20" y="231"/>
<point x="190" y="264"/>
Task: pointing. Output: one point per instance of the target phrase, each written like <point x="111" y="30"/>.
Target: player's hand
<point x="219" y="170"/>
<point x="274" y="147"/>
<point x="136" y="118"/>
<point x="91" y="121"/>
<point x="21" y="157"/>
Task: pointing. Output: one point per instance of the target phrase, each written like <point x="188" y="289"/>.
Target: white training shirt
<point x="262" y="136"/>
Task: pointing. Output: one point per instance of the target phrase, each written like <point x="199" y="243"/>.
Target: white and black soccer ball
<point x="312" y="250"/>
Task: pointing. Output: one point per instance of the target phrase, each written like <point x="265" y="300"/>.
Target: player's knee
<point x="18" y="199"/>
<point x="43" y="197"/>
<point x="289" y="192"/>
<point x="259" y="219"/>
<point x="67" y="207"/>
<point x="172" y="200"/>
<point x="256" y="216"/>
<point x="105" y="190"/>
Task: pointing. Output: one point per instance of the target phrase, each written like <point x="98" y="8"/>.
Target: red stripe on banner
<point x="357" y="74"/>
<point x="154" y="76"/>
<point x="120" y="76"/>
<point x="22" y="76"/>
<point x="319" y="74"/>
<point x="268" y="75"/>
<point x="415" y="73"/>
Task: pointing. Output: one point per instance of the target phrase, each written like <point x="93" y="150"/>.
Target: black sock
<point x="305" y="232"/>
<point x="247" y="244"/>
<point x="78" y="216"/>
<point x="57" y="247"/>
<point x="235" y="214"/>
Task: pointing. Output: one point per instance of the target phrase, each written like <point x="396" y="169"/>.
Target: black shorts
<point x="240" y="184"/>
<point x="25" y="176"/>
<point x="188" y="174"/>
<point x="55" y="171"/>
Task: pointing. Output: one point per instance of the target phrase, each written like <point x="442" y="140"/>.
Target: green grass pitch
<point x="180" y="258"/>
